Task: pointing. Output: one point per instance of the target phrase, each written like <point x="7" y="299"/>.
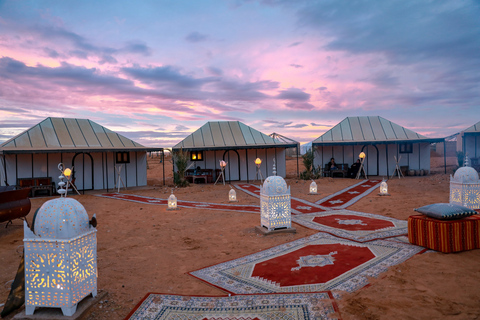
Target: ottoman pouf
<point x="444" y="235"/>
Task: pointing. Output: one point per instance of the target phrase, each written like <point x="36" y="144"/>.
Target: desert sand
<point x="145" y="248"/>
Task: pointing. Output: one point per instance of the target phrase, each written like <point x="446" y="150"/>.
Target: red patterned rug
<point x="299" y="206"/>
<point x="320" y="262"/>
<point x="296" y="306"/>
<point x="352" y="225"/>
<point x="182" y="203"/>
<point x="350" y="195"/>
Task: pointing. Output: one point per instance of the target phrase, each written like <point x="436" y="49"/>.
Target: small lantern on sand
<point x="313" y="188"/>
<point x="172" y="202"/>
<point x="232" y="195"/>
<point x="384" y="189"/>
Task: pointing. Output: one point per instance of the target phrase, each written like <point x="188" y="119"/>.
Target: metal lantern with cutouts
<point x="313" y="188"/>
<point x="172" y="202"/>
<point x="465" y="187"/>
<point x="275" y="204"/>
<point x="384" y="188"/>
<point x="232" y="195"/>
<point x="60" y="257"/>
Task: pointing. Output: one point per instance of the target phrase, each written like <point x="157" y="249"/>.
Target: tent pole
<point x="298" y="155"/>
<point x="163" y="165"/>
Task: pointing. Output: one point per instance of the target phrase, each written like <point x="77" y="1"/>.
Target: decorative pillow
<point x="446" y="211"/>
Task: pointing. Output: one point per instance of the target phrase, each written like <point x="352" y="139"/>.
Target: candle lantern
<point x="465" y="187"/>
<point x="275" y="203"/>
<point x="60" y="257"/>
<point x="232" y="195"/>
<point x="172" y="202"/>
<point x="384" y="189"/>
<point x="313" y="188"/>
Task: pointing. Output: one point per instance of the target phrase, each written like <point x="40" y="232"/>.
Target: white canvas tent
<point x="239" y="145"/>
<point x="90" y="148"/>
<point x="380" y="139"/>
<point x="469" y="140"/>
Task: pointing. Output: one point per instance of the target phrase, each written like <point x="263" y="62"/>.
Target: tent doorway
<point x="232" y="171"/>
<point x="83" y="171"/>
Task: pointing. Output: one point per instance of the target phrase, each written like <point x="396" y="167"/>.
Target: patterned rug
<point x="338" y="200"/>
<point x="320" y="262"/>
<point x="182" y="203"/>
<point x="314" y="306"/>
<point x="299" y="206"/>
<point x="352" y="225"/>
<point x="346" y="197"/>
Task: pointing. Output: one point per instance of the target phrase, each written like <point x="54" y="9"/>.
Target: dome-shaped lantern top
<point x="275" y="185"/>
<point x="61" y="218"/>
<point x="466" y="175"/>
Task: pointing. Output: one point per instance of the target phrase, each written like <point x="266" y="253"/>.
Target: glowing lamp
<point x="232" y="195"/>
<point x="60" y="257"/>
<point x="275" y="204"/>
<point x="67" y="172"/>
<point x="223" y="164"/>
<point x="172" y="202"/>
<point x="313" y="188"/>
<point x="384" y="188"/>
<point x="362" y="155"/>
<point x="258" y="162"/>
<point x="465" y="187"/>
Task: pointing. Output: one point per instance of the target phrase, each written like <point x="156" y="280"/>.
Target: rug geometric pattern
<point x="182" y="203"/>
<point x="320" y="262"/>
<point x="352" y="225"/>
<point x="348" y="196"/>
<point x="238" y="307"/>
<point x="299" y="206"/>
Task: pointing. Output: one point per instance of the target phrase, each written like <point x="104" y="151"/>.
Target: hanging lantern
<point x="384" y="189"/>
<point x="172" y="202"/>
<point x="313" y="188"/>
<point x="60" y="257"/>
<point x="232" y="195"/>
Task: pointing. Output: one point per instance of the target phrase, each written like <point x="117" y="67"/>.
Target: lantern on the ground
<point x="60" y="257"/>
<point x="275" y="203"/>
<point x="313" y="188"/>
<point x="232" y="195"/>
<point x="465" y="187"/>
<point x="384" y="188"/>
<point x="172" y="202"/>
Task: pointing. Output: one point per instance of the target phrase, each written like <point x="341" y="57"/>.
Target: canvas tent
<point x="239" y="145"/>
<point x="469" y="141"/>
<point x="380" y="139"/>
<point x="91" y="149"/>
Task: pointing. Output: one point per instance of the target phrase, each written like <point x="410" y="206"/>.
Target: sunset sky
<point x="156" y="70"/>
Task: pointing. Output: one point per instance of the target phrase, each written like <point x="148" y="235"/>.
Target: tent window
<point x="405" y="148"/>
<point x="123" y="157"/>
<point x="196" y="155"/>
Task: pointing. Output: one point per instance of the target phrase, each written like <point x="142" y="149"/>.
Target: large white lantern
<point x="465" y="187"/>
<point x="275" y="204"/>
<point x="313" y="188"/>
<point x="172" y="202"/>
<point x="60" y="257"/>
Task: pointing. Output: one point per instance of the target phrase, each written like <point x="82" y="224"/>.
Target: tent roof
<point x="229" y="135"/>
<point x="370" y="130"/>
<point x="475" y="129"/>
<point x="69" y="135"/>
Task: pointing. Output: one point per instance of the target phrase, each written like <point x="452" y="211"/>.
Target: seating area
<point x="201" y="175"/>
<point x="37" y="185"/>
<point x="341" y="171"/>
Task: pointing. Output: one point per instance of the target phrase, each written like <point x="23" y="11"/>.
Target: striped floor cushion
<point x="444" y="235"/>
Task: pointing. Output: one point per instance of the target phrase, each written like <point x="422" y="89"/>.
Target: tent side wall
<point x="472" y="145"/>
<point x="245" y="161"/>
<point x="379" y="158"/>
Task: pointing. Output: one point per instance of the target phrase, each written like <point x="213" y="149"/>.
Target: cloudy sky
<point x="156" y="70"/>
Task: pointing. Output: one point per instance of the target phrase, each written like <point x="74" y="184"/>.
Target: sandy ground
<point x="145" y="248"/>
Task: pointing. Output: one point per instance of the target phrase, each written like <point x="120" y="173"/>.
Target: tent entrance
<point x="83" y="171"/>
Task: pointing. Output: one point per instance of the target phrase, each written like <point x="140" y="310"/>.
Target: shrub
<point x="180" y="159"/>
